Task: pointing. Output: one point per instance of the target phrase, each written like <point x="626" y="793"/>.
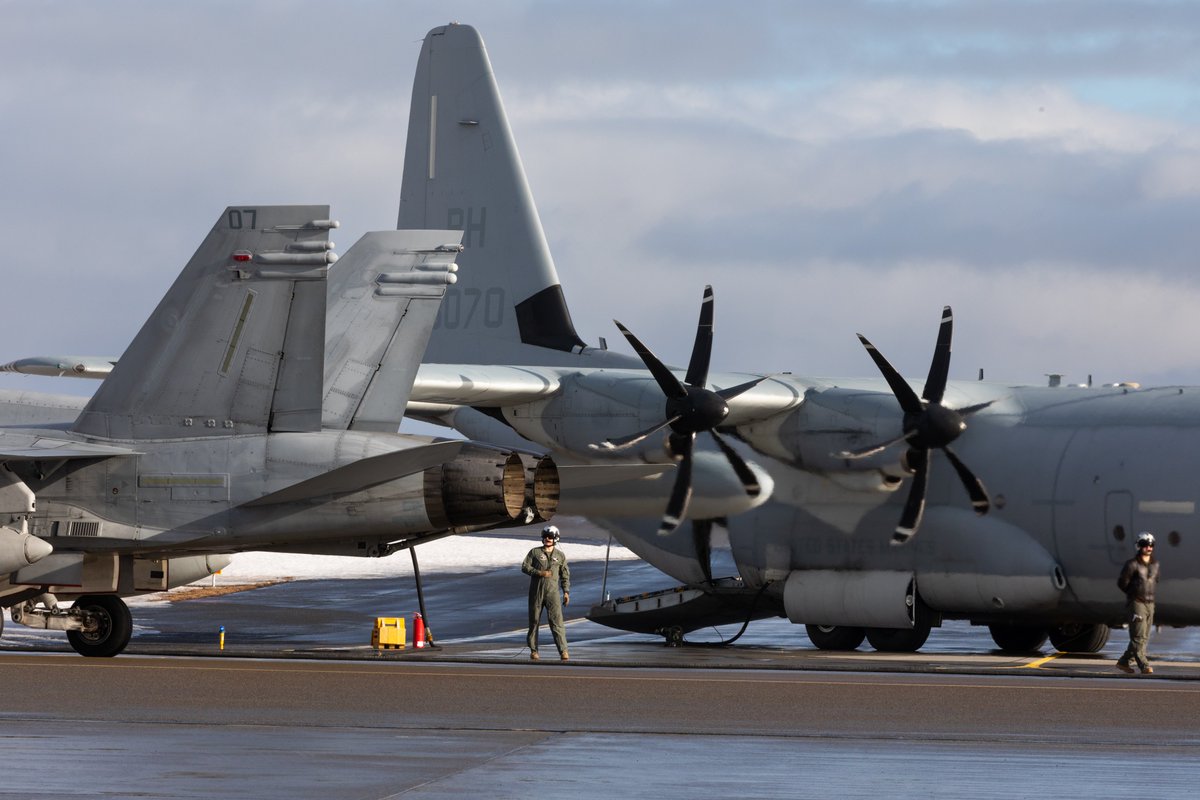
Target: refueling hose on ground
<point x="738" y="635"/>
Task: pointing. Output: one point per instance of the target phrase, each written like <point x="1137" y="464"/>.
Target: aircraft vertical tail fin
<point x="237" y="343"/>
<point x="384" y="295"/>
<point x="462" y="171"/>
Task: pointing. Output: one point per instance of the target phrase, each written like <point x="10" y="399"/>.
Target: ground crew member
<point x="548" y="572"/>
<point x="1138" y="580"/>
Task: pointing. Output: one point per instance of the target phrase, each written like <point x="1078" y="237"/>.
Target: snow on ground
<point x="581" y="541"/>
<point x="471" y="554"/>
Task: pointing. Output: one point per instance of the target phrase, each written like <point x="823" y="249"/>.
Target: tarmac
<point x="298" y="705"/>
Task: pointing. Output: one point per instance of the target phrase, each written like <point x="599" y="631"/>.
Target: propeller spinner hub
<point x="937" y="426"/>
<point x="700" y="410"/>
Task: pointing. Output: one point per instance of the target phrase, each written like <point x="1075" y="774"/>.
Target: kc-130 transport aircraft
<point x="855" y="466"/>
<point x="856" y="507"/>
<point x="233" y="422"/>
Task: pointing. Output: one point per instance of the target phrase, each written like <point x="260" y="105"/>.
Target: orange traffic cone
<point x="418" y="630"/>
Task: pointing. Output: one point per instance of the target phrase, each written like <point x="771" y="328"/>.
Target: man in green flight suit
<point x="547" y="569"/>
<point x="1138" y="580"/>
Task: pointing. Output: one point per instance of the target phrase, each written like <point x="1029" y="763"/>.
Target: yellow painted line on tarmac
<point x="1036" y="663"/>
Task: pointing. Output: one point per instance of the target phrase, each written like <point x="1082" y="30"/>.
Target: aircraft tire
<point x="1018" y="639"/>
<point x="1079" y="638"/>
<point x="835" y="637"/>
<point x="898" y="640"/>
<point x="115" y="629"/>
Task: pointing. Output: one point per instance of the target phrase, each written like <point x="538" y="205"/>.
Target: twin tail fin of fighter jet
<point x="237" y="343"/>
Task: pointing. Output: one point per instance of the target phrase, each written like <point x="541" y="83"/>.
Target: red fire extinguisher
<point x="418" y="630"/>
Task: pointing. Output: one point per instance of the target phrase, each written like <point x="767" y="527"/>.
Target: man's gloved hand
<point x="566" y="598"/>
<point x="545" y="573"/>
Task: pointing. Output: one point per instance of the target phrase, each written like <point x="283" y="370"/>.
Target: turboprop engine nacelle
<point x="602" y="491"/>
<point x="484" y="486"/>
<point x="19" y="549"/>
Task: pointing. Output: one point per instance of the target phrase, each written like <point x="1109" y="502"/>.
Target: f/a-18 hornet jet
<point x="228" y="426"/>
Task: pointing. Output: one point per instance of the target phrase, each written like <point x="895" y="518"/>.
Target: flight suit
<point x="545" y="593"/>
<point x="1138" y="581"/>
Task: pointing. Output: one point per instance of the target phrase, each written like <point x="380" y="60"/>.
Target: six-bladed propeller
<point x="927" y="425"/>
<point x="691" y="408"/>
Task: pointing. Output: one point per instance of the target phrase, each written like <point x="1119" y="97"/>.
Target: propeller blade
<point x="974" y="486"/>
<point x="914" y="507"/>
<point x="681" y="493"/>
<point x="625" y="442"/>
<point x="666" y="379"/>
<point x="969" y="410"/>
<point x="734" y="391"/>
<point x="909" y="402"/>
<point x="697" y="372"/>
<point x="702" y="538"/>
<point x="744" y="473"/>
<point x="872" y="449"/>
<point x="939" y="368"/>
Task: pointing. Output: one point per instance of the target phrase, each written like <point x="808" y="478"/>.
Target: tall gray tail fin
<point x="237" y="344"/>
<point x="384" y="295"/>
<point x="462" y="172"/>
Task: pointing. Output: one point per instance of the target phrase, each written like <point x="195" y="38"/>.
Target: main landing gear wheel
<point x="835" y="637"/>
<point x="899" y="640"/>
<point x="1018" y="639"/>
<point x="1079" y="638"/>
<point x="114" y="626"/>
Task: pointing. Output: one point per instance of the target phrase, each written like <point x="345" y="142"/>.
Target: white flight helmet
<point x="1145" y="538"/>
<point x="551" y="532"/>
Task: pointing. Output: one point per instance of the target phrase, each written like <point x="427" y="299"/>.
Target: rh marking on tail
<point x="460" y="219"/>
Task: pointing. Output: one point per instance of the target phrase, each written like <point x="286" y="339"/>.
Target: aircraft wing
<point x="26" y="447"/>
<point x="96" y="367"/>
<point x="452" y="384"/>
<point x="478" y="385"/>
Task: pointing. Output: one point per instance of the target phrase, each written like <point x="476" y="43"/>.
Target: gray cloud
<point x="1032" y="165"/>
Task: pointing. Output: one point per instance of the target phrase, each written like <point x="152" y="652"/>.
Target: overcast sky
<point x="829" y="168"/>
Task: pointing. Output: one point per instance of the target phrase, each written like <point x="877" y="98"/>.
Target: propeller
<point x="691" y="408"/>
<point x="928" y="425"/>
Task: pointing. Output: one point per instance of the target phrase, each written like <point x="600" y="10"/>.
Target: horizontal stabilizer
<point x="15" y="447"/>
<point x="363" y="474"/>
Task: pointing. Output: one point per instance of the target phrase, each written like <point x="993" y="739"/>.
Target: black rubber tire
<point x="835" y="637"/>
<point x="899" y="640"/>
<point x="115" y="629"/>
<point x="1018" y="639"/>
<point x="1079" y="638"/>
